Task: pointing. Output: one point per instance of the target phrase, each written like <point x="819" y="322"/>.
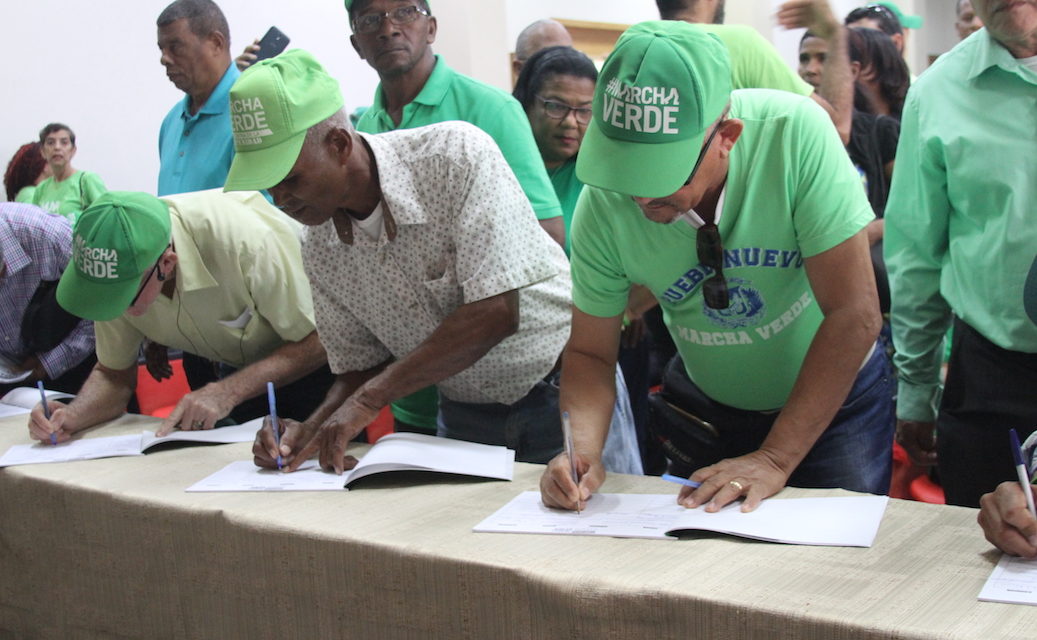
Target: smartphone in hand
<point x="272" y="43"/>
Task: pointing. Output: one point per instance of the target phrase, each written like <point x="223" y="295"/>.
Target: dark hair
<point x="669" y="9"/>
<point x="57" y="126"/>
<point x="874" y="49"/>
<point x="552" y="61"/>
<point x="204" y="17"/>
<point x="360" y="4"/>
<point x="23" y="169"/>
<point x="888" y="21"/>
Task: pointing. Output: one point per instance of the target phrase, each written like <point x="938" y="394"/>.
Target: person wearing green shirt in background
<point x="26" y="169"/>
<point x="960" y="247"/>
<point x="741" y="213"/>
<point x="417" y="88"/>
<point x="68" y="191"/>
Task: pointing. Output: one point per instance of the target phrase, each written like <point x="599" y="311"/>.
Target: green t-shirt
<point x="70" y="196"/>
<point x="567" y="187"/>
<point x="449" y="95"/>
<point x="755" y="63"/>
<point x="25" y="194"/>
<point x="791" y="193"/>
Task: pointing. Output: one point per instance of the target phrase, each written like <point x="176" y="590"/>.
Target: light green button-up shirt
<point x="961" y="221"/>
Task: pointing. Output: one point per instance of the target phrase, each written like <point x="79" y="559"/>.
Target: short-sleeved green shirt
<point x="791" y="193"/>
<point x="755" y="63"/>
<point x="568" y="188"/>
<point x="241" y="291"/>
<point x="70" y="196"/>
<point x="449" y="95"/>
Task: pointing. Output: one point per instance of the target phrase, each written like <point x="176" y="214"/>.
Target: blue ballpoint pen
<point x="1020" y="468"/>
<point x="46" y="409"/>
<point x="680" y="480"/>
<point x="273" y="420"/>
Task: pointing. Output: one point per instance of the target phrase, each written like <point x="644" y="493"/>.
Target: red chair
<point x="159" y="398"/>
<point x="382" y="425"/>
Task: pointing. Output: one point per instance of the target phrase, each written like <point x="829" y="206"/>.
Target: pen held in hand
<point x="567" y="436"/>
<point x="1020" y="468"/>
<point x="680" y="480"/>
<point x="46" y="409"/>
<point x="272" y="401"/>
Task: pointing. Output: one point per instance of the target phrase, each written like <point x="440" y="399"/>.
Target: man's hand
<point x="41" y="429"/>
<point x="1006" y="521"/>
<point x="198" y="410"/>
<point x="815" y="15"/>
<point x="333" y="436"/>
<point x="557" y="488"/>
<point x="248" y="56"/>
<point x="156" y="360"/>
<point x="918" y="440"/>
<point x="755" y="475"/>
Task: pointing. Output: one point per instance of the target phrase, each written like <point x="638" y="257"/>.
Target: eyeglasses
<point x="705" y="146"/>
<point x="560" y="110"/>
<point x="145" y="282"/>
<point x="710" y="252"/>
<point x="875" y="12"/>
<point x="371" y="22"/>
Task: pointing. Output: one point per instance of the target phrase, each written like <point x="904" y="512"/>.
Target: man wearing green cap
<point x="426" y="263"/>
<point x="214" y="274"/>
<point x="742" y="215"/>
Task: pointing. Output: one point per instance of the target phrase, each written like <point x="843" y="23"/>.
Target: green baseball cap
<point x="272" y="105"/>
<point x="659" y="90"/>
<point x="116" y="240"/>
<point x="906" y="21"/>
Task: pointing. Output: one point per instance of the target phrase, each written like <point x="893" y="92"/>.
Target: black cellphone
<point x="273" y="43"/>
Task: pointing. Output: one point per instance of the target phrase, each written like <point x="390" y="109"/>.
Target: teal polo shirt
<point x="960" y="236"/>
<point x="449" y="95"/>
<point x="195" y="151"/>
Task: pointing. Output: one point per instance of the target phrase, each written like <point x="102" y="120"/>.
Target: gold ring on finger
<point x="739" y="487"/>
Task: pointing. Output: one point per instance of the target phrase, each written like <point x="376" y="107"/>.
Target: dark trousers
<point x="855" y="452"/>
<point x="989" y="390"/>
<point x="296" y="400"/>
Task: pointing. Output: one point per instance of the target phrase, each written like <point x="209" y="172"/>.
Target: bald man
<point x="538" y="35"/>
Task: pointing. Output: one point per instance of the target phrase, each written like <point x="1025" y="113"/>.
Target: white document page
<point x="840" y="521"/>
<point x="1013" y="580"/>
<point x="418" y="452"/>
<point x="87" y="449"/>
<point x="7" y="410"/>
<point x="245" y="432"/>
<point x="10" y="372"/>
<point x="29" y="397"/>
<point x="243" y="475"/>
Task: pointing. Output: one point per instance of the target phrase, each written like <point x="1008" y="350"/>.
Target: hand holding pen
<point x="46" y="425"/>
<point x="570" y="479"/>
<point x="1007" y="514"/>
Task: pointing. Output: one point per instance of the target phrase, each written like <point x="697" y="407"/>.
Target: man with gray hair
<point x="194" y="144"/>
<point x="538" y="35"/>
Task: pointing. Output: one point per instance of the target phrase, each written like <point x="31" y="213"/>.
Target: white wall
<point x="94" y="65"/>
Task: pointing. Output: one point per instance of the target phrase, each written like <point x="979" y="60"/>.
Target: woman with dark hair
<point x="26" y="169"/>
<point x="883" y="79"/>
<point x="555" y="88"/>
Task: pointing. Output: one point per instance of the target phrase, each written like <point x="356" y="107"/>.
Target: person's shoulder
<point x="954" y="65"/>
<point x="470" y="86"/>
<point x="448" y="137"/>
<point x="733" y="32"/>
<point x="770" y="103"/>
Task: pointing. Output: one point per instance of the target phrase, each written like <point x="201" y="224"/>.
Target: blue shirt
<point x="195" y="151"/>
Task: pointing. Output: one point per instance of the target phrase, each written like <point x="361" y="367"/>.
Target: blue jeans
<point x="855" y="452"/>
<point x="532" y="426"/>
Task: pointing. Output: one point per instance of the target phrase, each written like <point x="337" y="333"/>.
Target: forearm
<point x="284" y="365"/>
<point x="103" y="397"/>
<point x="344" y="386"/>
<point x="555" y="227"/>
<point x="461" y="339"/>
<point x="837" y="82"/>
<point x="829" y="369"/>
<point x="588" y="393"/>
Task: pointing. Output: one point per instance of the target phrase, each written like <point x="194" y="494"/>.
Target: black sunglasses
<point x="145" y="282"/>
<point x="711" y="253"/>
<point x="705" y="146"/>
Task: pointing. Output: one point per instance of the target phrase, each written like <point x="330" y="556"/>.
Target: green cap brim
<point x="95" y="301"/>
<point x="635" y="169"/>
<point x="264" y="168"/>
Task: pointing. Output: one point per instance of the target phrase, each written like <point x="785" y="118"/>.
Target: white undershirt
<point x="1030" y="62"/>
<point x="372" y="224"/>
<point x="696" y="221"/>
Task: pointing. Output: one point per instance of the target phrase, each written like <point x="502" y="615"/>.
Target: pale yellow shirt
<point x="241" y="291"/>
